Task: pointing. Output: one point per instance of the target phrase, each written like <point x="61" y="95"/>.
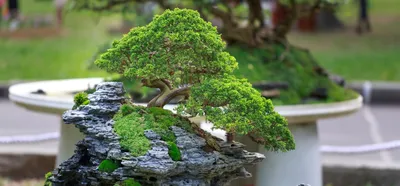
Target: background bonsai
<point x="285" y="73"/>
<point x="183" y="56"/>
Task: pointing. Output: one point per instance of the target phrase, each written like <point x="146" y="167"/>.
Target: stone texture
<point x="197" y="166"/>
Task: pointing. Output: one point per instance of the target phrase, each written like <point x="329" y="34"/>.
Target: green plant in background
<point x="264" y="53"/>
<point x="47" y="182"/>
<point x="108" y="166"/>
<point x="184" y="56"/>
<point x="80" y="98"/>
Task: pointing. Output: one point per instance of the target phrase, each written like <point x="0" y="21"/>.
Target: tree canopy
<point x="177" y="45"/>
<point x="233" y="105"/>
<point x="241" y="22"/>
<point x="176" y="50"/>
<point x="183" y="56"/>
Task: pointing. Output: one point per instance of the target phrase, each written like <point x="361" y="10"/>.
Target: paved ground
<point x="372" y="124"/>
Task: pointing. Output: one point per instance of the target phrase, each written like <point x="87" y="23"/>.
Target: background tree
<point x="264" y="52"/>
<point x="183" y="55"/>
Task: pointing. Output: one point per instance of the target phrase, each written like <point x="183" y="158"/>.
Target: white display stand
<point x="302" y="165"/>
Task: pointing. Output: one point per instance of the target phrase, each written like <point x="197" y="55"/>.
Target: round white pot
<point x="302" y="165"/>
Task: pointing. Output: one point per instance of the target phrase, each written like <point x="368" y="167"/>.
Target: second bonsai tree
<point x="183" y="56"/>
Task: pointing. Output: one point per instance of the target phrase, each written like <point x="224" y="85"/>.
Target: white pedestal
<point x="69" y="136"/>
<point x="292" y="168"/>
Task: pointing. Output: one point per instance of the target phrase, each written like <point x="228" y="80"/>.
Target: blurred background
<point x="47" y="40"/>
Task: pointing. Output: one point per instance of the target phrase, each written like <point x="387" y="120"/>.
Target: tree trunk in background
<point x="279" y="13"/>
<point x="323" y="20"/>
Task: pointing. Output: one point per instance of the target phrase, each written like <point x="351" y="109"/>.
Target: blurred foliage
<point x="290" y="64"/>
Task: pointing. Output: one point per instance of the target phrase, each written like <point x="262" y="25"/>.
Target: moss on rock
<point x="174" y="151"/>
<point x="80" y="98"/>
<point x="130" y="182"/>
<point x="108" y="166"/>
<point x="126" y="109"/>
<point x="131" y="128"/>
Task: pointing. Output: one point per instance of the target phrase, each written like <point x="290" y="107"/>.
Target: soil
<point x="28" y="33"/>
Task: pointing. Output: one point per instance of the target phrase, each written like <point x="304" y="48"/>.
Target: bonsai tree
<point x="183" y="56"/>
<point x="285" y="73"/>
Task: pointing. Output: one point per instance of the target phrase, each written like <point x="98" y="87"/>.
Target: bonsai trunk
<point x="229" y="137"/>
<point x="167" y="92"/>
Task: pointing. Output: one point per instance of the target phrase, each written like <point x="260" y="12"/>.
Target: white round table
<point x="302" y="165"/>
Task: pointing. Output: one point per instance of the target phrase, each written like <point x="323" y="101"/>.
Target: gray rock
<point x="197" y="167"/>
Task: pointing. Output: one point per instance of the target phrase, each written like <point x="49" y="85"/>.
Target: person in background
<point x="59" y="11"/>
<point x="13" y="8"/>
<point x="363" y="20"/>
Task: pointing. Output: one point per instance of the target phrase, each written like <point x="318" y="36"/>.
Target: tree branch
<point x="163" y="85"/>
<point x="167" y="97"/>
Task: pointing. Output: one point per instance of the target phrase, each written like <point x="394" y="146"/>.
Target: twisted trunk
<point x="167" y="93"/>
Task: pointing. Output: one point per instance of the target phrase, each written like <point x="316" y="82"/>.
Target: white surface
<point x="58" y="96"/>
<point x="302" y="165"/>
<point x="312" y="112"/>
<point x="59" y="99"/>
<point x="68" y="138"/>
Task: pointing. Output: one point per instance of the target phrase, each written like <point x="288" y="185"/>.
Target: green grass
<point x="373" y="56"/>
<point x="53" y="57"/>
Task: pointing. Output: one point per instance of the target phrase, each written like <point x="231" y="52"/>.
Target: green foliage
<point x="46" y="179"/>
<point x="126" y="109"/>
<point x="159" y="111"/>
<point x="180" y="48"/>
<point x="177" y="45"/>
<point x="80" y="98"/>
<point x="108" y="166"/>
<point x="130" y="182"/>
<point x="233" y="105"/>
<point x="174" y="151"/>
<point x="131" y="130"/>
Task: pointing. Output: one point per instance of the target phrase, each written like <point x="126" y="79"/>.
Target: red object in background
<point x="306" y="23"/>
<point x="279" y="13"/>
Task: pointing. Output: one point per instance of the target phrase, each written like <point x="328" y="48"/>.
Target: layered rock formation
<point x="198" y="166"/>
